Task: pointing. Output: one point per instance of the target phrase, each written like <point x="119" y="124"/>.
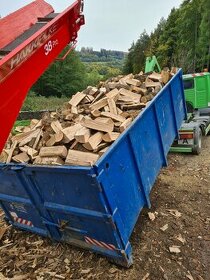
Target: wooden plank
<point x="125" y="124"/>
<point x="93" y="141"/>
<point x="82" y="135"/>
<point x="48" y="161"/>
<point x="110" y="137"/>
<point x="76" y="99"/>
<point x="56" y="126"/>
<point x="112" y="106"/>
<point x="99" y="104"/>
<point x="97" y="125"/>
<point x="21" y="158"/>
<point x="59" y="151"/>
<point x="117" y="118"/>
<point x="81" y="158"/>
<point x="70" y="132"/>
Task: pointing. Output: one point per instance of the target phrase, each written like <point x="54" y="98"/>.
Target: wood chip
<point x="146" y="276"/>
<point x="174" y="249"/>
<point x="164" y="228"/>
<point x="151" y="216"/>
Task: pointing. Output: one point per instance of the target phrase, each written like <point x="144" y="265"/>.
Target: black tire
<point x="197" y="142"/>
<point x="190" y="108"/>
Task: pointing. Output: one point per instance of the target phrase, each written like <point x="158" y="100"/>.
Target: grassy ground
<point x="37" y="103"/>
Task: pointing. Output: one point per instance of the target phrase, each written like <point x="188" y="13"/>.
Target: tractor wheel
<point x="197" y="142"/>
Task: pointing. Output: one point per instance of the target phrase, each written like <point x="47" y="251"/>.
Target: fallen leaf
<point x="151" y="216"/>
<point x="174" y="249"/>
<point x="164" y="228"/>
<point x="145" y="277"/>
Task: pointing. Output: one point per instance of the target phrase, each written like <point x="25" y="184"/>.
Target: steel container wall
<point x="97" y="207"/>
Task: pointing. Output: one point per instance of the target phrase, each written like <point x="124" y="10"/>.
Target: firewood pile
<point x="83" y="130"/>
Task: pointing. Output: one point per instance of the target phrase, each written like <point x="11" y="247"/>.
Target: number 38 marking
<point x="48" y="47"/>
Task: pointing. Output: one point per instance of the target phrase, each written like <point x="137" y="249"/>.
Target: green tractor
<point x="197" y="95"/>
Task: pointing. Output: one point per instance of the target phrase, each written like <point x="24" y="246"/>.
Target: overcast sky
<point x="110" y="24"/>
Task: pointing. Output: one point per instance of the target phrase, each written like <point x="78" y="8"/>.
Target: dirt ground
<point x="181" y="208"/>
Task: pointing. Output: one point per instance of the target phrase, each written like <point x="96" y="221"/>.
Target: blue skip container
<point x="97" y="207"/>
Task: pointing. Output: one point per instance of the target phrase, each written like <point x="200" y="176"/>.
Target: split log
<point x="76" y="99"/>
<point x="110" y="137"/>
<point x="81" y="158"/>
<point x="113" y="116"/>
<point x="97" y="125"/>
<point x="82" y="135"/>
<point x="59" y="151"/>
<point x="93" y="141"/>
<point x="49" y="160"/>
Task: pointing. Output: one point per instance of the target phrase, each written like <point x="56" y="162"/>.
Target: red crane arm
<point x="22" y="67"/>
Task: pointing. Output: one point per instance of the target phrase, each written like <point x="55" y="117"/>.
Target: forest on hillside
<point x="182" y="40"/>
<point x="79" y="70"/>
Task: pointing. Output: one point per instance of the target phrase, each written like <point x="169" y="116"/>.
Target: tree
<point x="62" y="78"/>
<point x="204" y="39"/>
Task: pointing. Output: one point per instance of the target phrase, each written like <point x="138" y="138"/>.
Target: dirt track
<point x="183" y="187"/>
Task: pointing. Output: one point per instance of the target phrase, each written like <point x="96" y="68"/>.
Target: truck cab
<point x="197" y="95"/>
<point x="197" y="90"/>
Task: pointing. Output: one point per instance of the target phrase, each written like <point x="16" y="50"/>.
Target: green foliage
<point x="182" y="40"/>
<point x="63" y="78"/>
<point x="38" y="103"/>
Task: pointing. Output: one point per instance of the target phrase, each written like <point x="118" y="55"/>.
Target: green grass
<point x="38" y="103"/>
